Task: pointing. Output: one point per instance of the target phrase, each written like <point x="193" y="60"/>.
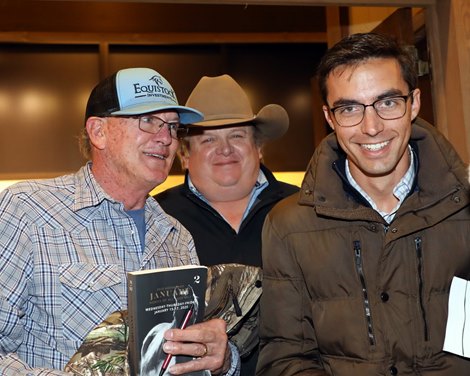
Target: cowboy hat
<point x="224" y="103"/>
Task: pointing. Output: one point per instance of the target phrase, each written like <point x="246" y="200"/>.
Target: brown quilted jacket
<point x="344" y="293"/>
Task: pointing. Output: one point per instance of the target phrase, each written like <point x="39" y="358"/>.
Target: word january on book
<point x="160" y="299"/>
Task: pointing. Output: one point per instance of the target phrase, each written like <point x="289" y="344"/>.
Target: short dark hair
<point x="360" y="47"/>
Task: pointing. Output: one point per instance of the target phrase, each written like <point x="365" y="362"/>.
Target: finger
<point x="205" y="357"/>
<point x="195" y="350"/>
<point x="204" y="351"/>
<point x="197" y="364"/>
<point x="207" y="332"/>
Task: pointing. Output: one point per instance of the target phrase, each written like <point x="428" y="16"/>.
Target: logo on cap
<point x="158" y="89"/>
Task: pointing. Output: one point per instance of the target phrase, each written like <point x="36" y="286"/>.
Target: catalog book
<point x="160" y="299"/>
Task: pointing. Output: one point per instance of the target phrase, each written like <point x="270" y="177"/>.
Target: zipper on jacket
<point x="419" y="253"/>
<point x="236" y="304"/>
<point x="360" y="271"/>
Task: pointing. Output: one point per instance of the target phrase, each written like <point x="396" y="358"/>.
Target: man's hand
<point x="207" y="342"/>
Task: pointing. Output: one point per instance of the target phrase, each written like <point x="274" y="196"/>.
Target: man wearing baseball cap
<point x="227" y="190"/>
<point x="67" y="243"/>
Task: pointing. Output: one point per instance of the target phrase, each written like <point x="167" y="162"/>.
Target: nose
<point x="371" y="124"/>
<point x="224" y="146"/>
<point x="164" y="135"/>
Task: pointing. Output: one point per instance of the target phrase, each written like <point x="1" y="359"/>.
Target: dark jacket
<point x="346" y="294"/>
<point x="216" y="241"/>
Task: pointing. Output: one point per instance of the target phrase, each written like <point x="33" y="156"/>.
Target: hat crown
<point x="221" y="98"/>
<point x="224" y="103"/>
<point x="139" y="86"/>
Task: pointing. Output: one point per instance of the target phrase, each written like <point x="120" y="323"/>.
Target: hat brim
<point x="272" y="121"/>
<point x="224" y="120"/>
<point x="187" y="115"/>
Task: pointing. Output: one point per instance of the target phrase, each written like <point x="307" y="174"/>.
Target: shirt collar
<point x="89" y="193"/>
<point x="260" y="184"/>
<point x="400" y="191"/>
<point x="87" y="190"/>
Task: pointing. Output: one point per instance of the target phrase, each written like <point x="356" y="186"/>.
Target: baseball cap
<point x="135" y="91"/>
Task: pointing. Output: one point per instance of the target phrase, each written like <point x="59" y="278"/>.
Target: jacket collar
<point x="324" y="188"/>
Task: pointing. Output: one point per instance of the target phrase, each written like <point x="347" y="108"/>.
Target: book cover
<point x="160" y="299"/>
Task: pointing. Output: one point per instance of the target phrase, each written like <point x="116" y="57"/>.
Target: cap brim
<point x="187" y="115"/>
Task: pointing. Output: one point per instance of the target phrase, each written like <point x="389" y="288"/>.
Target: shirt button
<point x="394" y="230"/>
<point x="384" y="296"/>
<point x="393" y="370"/>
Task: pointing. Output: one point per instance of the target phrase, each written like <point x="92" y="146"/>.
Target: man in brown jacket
<point x="357" y="269"/>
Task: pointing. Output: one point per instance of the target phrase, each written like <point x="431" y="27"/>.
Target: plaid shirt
<point x="65" y="249"/>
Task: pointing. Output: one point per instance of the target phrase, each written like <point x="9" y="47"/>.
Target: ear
<point x="260" y="152"/>
<point x="95" y="128"/>
<point x="416" y="103"/>
<point x="184" y="162"/>
<point x="183" y="153"/>
<point x="328" y="118"/>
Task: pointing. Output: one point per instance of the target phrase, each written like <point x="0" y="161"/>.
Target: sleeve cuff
<point x="235" y="362"/>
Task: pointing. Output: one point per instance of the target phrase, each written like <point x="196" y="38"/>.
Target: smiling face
<point x="125" y="158"/>
<point x="223" y="163"/>
<point x="375" y="147"/>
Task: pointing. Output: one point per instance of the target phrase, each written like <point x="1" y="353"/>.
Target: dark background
<point x="44" y="86"/>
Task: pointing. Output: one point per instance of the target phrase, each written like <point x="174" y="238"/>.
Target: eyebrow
<point x="176" y="119"/>
<point x="386" y="94"/>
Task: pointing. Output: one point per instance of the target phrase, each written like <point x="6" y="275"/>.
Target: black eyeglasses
<point x="389" y="108"/>
<point x="153" y="124"/>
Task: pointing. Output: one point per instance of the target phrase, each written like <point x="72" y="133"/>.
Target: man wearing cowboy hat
<point x="227" y="190"/>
